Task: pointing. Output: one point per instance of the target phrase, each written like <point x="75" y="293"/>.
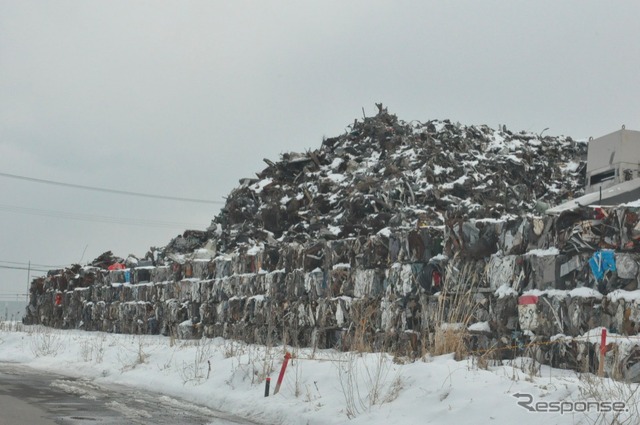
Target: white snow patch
<point x="336" y="178"/>
<point x="505" y="291"/>
<point x="480" y="327"/>
<point x="335" y="230"/>
<point x="385" y="232"/>
<point x="628" y="296"/>
<point x="584" y="292"/>
<point x="544" y="252"/>
<point x="258" y="186"/>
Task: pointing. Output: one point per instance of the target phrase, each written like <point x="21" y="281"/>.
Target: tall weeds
<point x="457" y="304"/>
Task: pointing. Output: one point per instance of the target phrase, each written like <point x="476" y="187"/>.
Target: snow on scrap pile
<point x="347" y="234"/>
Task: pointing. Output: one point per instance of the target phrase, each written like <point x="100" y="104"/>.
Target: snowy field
<point x="325" y="386"/>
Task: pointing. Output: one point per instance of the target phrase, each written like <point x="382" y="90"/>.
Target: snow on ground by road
<point x="321" y="387"/>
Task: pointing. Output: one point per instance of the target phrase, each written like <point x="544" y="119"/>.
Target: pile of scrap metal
<point x="342" y="245"/>
<point x="384" y="172"/>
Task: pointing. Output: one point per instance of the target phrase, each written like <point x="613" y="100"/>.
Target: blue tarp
<point x="601" y="262"/>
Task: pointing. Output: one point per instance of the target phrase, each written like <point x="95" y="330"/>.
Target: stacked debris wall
<point x="320" y="293"/>
<point x="377" y="240"/>
<point x="310" y="296"/>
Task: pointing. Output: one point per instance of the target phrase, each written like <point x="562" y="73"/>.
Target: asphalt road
<point x="29" y="397"/>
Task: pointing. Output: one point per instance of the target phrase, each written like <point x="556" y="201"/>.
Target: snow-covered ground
<point x="325" y="386"/>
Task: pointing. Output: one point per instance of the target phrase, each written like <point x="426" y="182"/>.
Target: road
<point x="35" y="398"/>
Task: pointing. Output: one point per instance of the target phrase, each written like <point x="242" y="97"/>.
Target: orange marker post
<point x="287" y="356"/>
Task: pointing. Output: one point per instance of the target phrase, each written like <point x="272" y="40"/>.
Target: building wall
<point x="617" y="151"/>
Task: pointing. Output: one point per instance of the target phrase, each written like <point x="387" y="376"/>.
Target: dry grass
<point x="599" y="389"/>
<point x="456" y="307"/>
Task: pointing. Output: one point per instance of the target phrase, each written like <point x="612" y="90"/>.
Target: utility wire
<point x="23" y="268"/>
<point x="96" y="218"/>
<point x="22" y="263"/>
<point x="116" y="191"/>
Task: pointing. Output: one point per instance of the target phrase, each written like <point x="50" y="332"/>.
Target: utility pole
<point x="28" y="280"/>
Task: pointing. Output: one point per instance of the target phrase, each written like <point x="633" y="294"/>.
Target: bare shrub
<point x="92" y="348"/>
<point x="130" y="357"/>
<point x="354" y="370"/>
<point x="199" y="369"/>
<point x="46" y="341"/>
<point x="599" y="389"/>
<point x="232" y="348"/>
<point x="11" y="326"/>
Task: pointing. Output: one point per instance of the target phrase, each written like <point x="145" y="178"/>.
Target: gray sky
<point x="184" y="98"/>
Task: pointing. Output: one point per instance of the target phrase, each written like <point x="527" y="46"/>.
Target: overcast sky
<point x="184" y="98"/>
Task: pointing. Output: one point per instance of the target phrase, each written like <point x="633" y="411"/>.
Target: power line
<point x="116" y="191"/>
<point x="22" y="263"/>
<point x="23" y="268"/>
<point x="96" y="218"/>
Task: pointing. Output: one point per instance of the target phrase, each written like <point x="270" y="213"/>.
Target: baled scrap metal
<point x="291" y="257"/>
<point x="503" y="318"/>
<point x="324" y="313"/>
<point x="252" y="312"/>
<point x="370" y="252"/>
<point x="343" y="281"/>
<point x="224" y="288"/>
<point x="516" y="235"/>
<point x="99" y="316"/>
<point x="254" y="284"/>
<point x="368" y="283"/>
<point x="222" y="267"/>
<point x="313" y="256"/>
<point x="340" y="281"/>
<point x="569" y="265"/>
<point x="293" y="285"/>
<point x="475" y="239"/>
<point x="171" y="309"/>
<point x="315" y="284"/>
<point x="624" y="313"/>
<point x="343" y="316"/>
<point x="544" y="271"/>
<point x="116" y="276"/>
<point x="208" y="313"/>
<point x="398" y="279"/>
<point x="583" y="314"/>
<point x="235" y="308"/>
<point x="400" y="317"/>
<point x="627" y="265"/>
<point x="570" y="353"/>
<point x="501" y="270"/>
<point x="185" y="330"/>
<point x="389" y="311"/>
<point x="273" y="281"/>
<point x="341" y="252"/>
<point x="396" y="252"/>
<point x="199" y="269"/>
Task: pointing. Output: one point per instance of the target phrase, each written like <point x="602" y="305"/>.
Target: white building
<point x="613" y="159"/>
<point x="613" y="171"/>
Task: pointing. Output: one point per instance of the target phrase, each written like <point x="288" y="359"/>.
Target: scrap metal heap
<point x="384" y="172"/>
<point x="369" y="241"/>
